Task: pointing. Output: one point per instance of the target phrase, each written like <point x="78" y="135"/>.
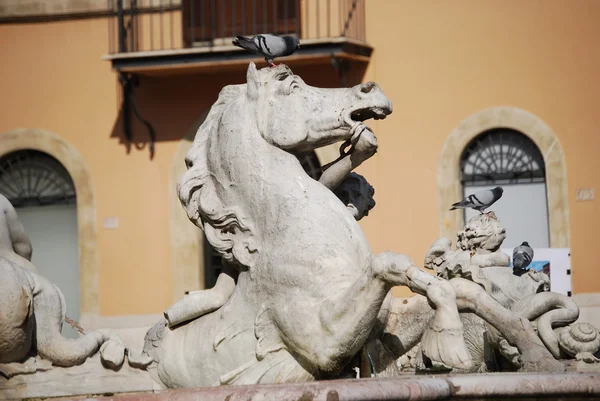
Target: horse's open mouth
<point x="377" y="113"/>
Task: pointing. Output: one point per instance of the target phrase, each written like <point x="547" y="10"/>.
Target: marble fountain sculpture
<point x="301" y="296"/>
<point x="478" y="258"/>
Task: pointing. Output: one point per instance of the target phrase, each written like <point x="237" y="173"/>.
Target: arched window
<point x="212" y="260"/>
<point x="33" y="178"/>
<point x="43" y="194"/>
<point x="507" y="158"/>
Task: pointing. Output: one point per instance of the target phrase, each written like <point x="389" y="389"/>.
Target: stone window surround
<point x="70" y="158"/>
<point x="448" y="180"/>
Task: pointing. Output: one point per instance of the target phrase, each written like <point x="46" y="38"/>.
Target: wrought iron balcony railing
<point x="159" y="25"/>
<point x="152" y="37"/>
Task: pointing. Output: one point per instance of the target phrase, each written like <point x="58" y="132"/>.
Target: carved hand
<point x="365" y="145"/>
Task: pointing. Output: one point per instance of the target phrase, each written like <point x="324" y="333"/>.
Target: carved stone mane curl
<point x="215" y="217"/>
<point x="222" y="223"/>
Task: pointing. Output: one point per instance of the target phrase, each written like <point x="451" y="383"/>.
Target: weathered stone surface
<point x="481" y="386"/>
<point x="89" y="378"/>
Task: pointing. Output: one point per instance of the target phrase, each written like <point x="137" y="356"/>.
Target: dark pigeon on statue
<point x="522" y="257"/>
<point x="480" y="200"/>
<point x="269" y="46"/>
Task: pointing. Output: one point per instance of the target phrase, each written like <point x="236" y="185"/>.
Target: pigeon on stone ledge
<point x="480" y="200"/>
<point x="269" y="46"/>
<point x="522" y="257"/>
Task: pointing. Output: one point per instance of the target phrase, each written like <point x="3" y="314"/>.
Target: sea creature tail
<point x="152" y="341"/>
<point x="443" y="344"/>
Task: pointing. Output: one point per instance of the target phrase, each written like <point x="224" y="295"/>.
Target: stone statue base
<point x="88" y="378"/>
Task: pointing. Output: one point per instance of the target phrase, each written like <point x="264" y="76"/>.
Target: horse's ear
<point x="252" y="81"/>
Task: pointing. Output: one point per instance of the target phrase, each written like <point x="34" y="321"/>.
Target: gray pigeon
<point x="269" y="46"/>
<point x="480" y="200"/>
<point x="522" y="257"/>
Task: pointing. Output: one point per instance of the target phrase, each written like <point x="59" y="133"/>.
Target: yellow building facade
<point x="453" y="70"/>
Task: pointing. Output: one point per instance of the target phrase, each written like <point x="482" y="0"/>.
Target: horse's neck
<point x="256" y="172"/>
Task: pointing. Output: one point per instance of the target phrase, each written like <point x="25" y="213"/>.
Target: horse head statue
<point x="253" y="131"/>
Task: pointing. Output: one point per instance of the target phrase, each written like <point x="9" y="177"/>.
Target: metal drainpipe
<point x="125" y="83"/>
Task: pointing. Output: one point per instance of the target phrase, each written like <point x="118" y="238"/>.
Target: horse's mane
<point x="214" y="215"/>
<point x="217" y="219"/>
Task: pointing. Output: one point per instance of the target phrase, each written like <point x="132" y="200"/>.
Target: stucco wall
<point x="53" y="78"/>
<point x="439" y="62"/>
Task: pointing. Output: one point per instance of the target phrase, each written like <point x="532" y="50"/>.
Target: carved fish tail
<point x="153" y="340"/>
<point x="444" y="346"/>
<point x="443" y="342"/>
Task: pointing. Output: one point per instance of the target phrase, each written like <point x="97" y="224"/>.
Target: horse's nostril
<point x="188" y="163"/>
<point x="367" y="87"/>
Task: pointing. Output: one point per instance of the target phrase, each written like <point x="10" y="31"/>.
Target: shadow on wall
<point x="170" y="104"/>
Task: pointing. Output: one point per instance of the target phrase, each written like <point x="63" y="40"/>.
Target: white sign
<point x="584" y="194"/>
<point x="111" y="223"/>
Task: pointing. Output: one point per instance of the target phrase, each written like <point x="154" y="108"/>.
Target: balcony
<point x="165" y="37"/>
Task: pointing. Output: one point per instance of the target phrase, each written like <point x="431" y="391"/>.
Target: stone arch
<point x="448" y="181"/>
<point x="70" y="158"/>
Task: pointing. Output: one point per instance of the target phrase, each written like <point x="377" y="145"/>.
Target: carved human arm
<point x="198" y="303"/>
<point x="20" y="241"/>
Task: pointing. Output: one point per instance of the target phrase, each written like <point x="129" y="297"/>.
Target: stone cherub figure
<point x="478" y="243"/>
<point x="14" y="241"/>
<point x="351" y="188"/>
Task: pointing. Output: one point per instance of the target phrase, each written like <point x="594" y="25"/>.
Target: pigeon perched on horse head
<point x="269" y="46"/>
<point x="480" y="200"/>
<point x="522" y="257"/>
